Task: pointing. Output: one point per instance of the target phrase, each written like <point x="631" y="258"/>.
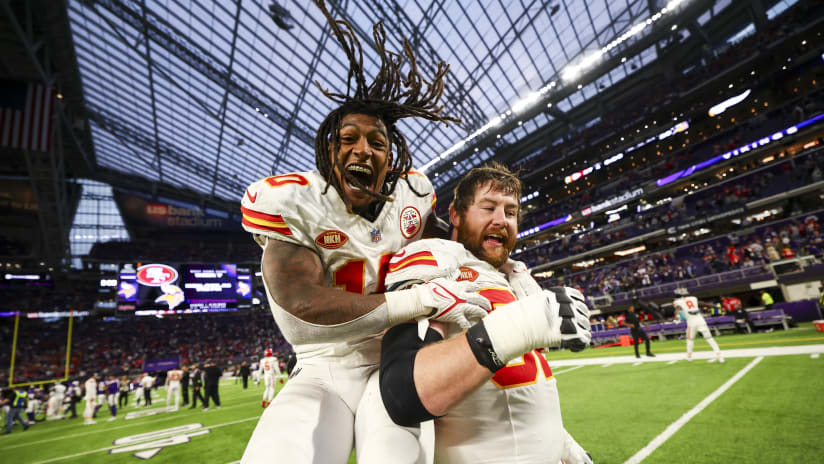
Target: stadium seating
<point x="118" y="345"/>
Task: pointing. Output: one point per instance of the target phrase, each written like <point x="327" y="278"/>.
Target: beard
<point x="474" y="243"/>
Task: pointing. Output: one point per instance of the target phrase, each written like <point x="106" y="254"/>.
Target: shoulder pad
<point x="420" y="183"/>
<point x="424" y="260"/>
<point x="271" y="205"/>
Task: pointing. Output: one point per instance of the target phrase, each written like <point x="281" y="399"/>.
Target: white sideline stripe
<point x="814" y="355"/>
<point x="638" y="363"/>
<point x="673" y="361"/>
<point x="703" y="354"/>
<point x="675" y="426"/>
<point x="607" y="365"/>
<point x="112" y="447"/>
<point x="567" y="370"/>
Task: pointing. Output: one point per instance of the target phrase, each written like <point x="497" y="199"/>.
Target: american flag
<point x="26" y="115"/>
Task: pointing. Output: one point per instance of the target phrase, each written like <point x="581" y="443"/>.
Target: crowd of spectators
<point x="116" y="345"/>
<point x="786" y="240"/>
<point x="782" y="175"/>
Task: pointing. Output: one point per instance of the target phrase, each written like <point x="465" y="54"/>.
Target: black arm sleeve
<point x="400" y="397"/>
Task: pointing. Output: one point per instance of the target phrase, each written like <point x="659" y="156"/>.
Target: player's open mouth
<point x="494" y="240"/>
<point x="359" y="173"/>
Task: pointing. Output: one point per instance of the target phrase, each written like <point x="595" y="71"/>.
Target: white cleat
<point x="721" y="359"/>
<point x="111" y="419"/>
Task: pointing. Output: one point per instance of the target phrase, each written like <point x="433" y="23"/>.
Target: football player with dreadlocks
<point x="319" y="240"/>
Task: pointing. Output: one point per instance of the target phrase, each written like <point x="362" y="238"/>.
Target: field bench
<point x="768" y="317"/>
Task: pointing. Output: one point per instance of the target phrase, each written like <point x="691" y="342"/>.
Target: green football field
<point x="761" y="406"/>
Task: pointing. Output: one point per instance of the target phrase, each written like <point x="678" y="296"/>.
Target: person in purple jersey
<point x="113" y="391"/>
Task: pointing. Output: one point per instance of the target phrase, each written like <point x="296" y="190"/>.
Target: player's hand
<point x="570" y="316"/>
<point x="573" y="452"/>
<point x="453" y="302"/>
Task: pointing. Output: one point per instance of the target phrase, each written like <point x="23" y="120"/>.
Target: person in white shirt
<point x="147" y="382"/>
<point x="689" y="308"/>
<point x="173" y="388"/>
<point x="91" y="400"/>
<point x="269" y="369"/>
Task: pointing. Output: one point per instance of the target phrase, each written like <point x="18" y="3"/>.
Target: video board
<point x="158" y="288"/>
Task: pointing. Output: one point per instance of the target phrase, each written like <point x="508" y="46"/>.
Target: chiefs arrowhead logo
<point x="331" y="239"/>
<point x="252" y="198"/>
<point x="467" y="273"/>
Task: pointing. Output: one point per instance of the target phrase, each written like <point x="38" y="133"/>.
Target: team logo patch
<point x="155" y="275"/>
<point x="467" y="273"/>
<point x="410" y="221"/>
<point x="331" y="239"/>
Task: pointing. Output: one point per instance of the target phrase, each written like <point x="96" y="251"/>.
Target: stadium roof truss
<point x="212" y="95"/>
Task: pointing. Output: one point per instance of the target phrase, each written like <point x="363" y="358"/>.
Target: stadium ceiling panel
<point x="212" y="95"/>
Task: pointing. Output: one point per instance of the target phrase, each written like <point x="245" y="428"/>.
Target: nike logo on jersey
<point x="251" y="197"/>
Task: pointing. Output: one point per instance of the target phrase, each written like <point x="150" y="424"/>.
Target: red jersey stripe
<point x="259" y="215"/>
<point x="283" y="230"/>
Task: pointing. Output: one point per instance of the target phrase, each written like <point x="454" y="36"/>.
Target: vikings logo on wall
<point x="410" y="221"/>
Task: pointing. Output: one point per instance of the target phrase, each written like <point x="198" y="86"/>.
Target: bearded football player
<point x="490" y="389"/>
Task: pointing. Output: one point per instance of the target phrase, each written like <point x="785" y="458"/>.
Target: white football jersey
<point x="688" y="306"/>
<point x="354" y="251"/>
<point x="91" y="388"/>
<point x="175" y="375"/>
<point x="270" y="366"/>
<point x="516" y="416"/>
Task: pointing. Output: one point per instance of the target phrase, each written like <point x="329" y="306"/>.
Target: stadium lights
<point x="630" y="251"/>
<point x="568" y="74"/>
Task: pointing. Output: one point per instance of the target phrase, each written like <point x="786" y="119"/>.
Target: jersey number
<point x="350" y="276"/>
<point x="516" y="373"/>
<point x="277" y="181"/>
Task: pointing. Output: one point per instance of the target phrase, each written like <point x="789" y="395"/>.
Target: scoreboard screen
<point x="182" y="288"/>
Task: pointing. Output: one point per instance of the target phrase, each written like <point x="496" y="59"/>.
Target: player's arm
<point x="419" y="382"/>
<point x="422" y="379"/>
<point x="293" y="275"/>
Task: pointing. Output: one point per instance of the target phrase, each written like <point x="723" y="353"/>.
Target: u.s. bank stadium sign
<point x="610" y="202"/>
<point x="145" y="211"/>
<point x="147" y="445"/>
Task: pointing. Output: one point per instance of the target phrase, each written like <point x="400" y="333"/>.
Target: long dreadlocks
<point x="391" y="97"/>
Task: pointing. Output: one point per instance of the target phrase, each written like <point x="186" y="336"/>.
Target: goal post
<point x="67" y="363"/>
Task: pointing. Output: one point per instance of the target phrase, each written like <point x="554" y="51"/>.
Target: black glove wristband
<point x="481" y="347"/>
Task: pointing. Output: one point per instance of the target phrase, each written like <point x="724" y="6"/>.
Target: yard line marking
<point x="108" y="429"/>
<point x="606" y="365"/>
<point x="814" y="355"/>
<point x="567" y="370"/>
<point x="115" y="446"/>
<point x="675" y="426"/>
<point x="637" y="363"/>
<point x="673" y="361"/>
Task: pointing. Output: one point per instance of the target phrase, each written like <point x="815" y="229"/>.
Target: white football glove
<point x="573" y="452"/>
<point x="576" y="333"/>
<point x="552" y="318"/>
<point x="453" y="302"/>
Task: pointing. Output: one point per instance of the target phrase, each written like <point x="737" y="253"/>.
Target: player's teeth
<point x="359" y="169"/>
